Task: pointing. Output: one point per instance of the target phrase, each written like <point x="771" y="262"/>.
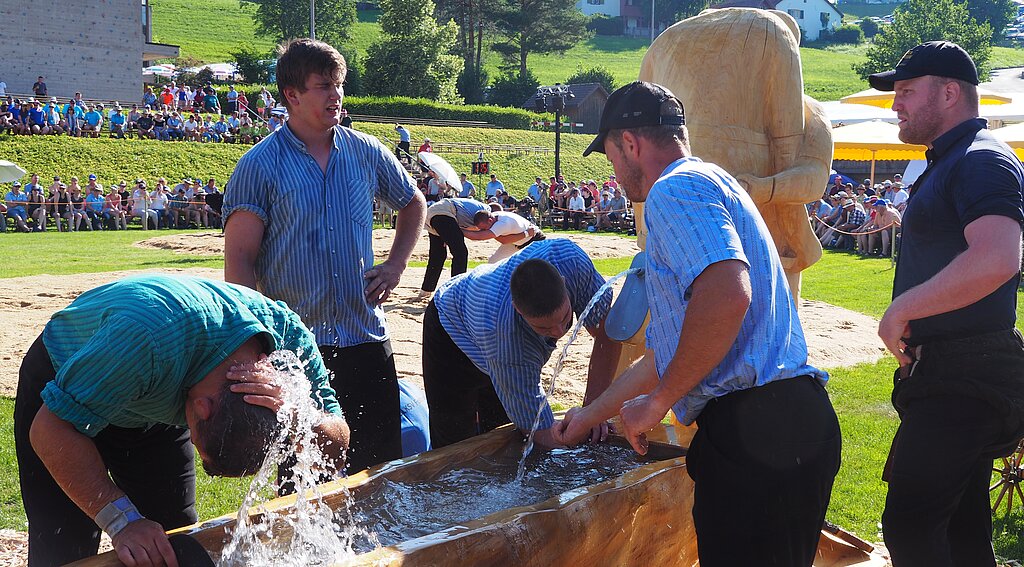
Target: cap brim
<point x="887" y="81"/>
<point x="597" y="145"/>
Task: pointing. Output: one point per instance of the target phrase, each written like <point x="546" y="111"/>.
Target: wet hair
<point x="237" y="437"/>
<point x="538" y="290"/>
<point x="300" y="58"/>
<point x="480" y="217"/>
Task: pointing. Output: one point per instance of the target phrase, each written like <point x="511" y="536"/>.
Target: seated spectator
<point x="133" y="119"/>
<point x="93" y="123"/>
<point x="22" y="120"/>
<point x="177" y="205"/>
<point x="619" y="204"/>
<point x="576" y="209"/>
<point x="159" y="201"/>
<point x="192" y="127"/>
<point x="209" y="133"/>
<point x="507" y="201"/>
<point x="211" y="104"/>
<point x="36" y="208"/>
<point x="214" y="203"/>
<point x="175" y="127"/>
<point x="197" y="204"/>
<point x="160" y="126"/>
<point x="886" y="216"/>
<point x="6" y="124"/>
<point x="855" y="219"/>
<point x="78" y="216"/>
<point x="262" y="131"/>
<point x="426" y="146"/>
<point x="149" y="99"/>
<point x="117" y="123"/>
<point x="604" y="207"/>
<point x="16" y="202"/>
<point x="94" y="205"/>
<point x="221" y="130"/>
<point x="145" y="124"/>
<point x="825" y="224"/>
<point x="37" y="119"/>
<point x="113" y="213"/>
<point x="899" y="197"/>
<point x="140" y="207"/>
<point x="233" y="124"/>
<point x="60" y="205"/>
<point x="166" y="99"/>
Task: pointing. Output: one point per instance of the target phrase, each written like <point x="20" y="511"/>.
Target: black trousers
<point x="763" y="461"/>
<point x="959" y="409"/>
<point x="155" y="467"/>
<point x="366" y="382"/>
<point x="450" y="239"/>
<point x="576" y="216"/>
<point x="461" y="398"/>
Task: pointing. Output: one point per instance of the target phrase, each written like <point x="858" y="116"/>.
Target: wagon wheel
<point x="1011" y="475"/>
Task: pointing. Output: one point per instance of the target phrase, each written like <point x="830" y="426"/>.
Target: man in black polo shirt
<point x="960" y="386"/>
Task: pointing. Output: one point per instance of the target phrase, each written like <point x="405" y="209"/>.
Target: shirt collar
<point x="294" y="140"/>
<point x="943" y="143"/>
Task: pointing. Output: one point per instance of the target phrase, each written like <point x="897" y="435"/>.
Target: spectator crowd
<point x="171" y="113"/>
<point x="70" y="207"/>
<point x="864" y="219"/>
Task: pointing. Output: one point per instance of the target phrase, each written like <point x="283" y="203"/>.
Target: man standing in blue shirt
<point x="493" y="186"/>
<point x="488" y="333"/>
<point x="402" y="150"/>
<point x="107" y="410"/>
<point x="959" y="390"/>
<point x="724" y="348"/>
<point x="468" y="189"/>
<point x="298" y="216"/>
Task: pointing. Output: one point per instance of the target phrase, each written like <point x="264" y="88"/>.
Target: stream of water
<point x="561" y="361"/>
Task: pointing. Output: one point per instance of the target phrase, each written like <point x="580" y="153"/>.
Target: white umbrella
<point x="10" y="172"/>
<point x="444" y="170"/>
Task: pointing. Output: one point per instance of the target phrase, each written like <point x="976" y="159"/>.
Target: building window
<point x="595" y="2"/>
<point x="825" y="16"/>
<point x="798" y="14"/>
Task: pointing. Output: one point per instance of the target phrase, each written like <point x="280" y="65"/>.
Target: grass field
<point x="860" y="394"/>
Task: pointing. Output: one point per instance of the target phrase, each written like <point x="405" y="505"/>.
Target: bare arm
<point x="504" y="239"/>
<point x="604" y="358"/>
<point x="243" y="236"/>
<point x="384" y="277"/>
<point x="332" y="435"/>
<point x="76" y="466"/>
<point x="993" y="256"/>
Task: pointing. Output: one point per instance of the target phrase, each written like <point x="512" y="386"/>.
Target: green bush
<point x="592" y="75"/>
<point x="404" y="107"/>
<point x="869" y="27"/>
<point x="601" y="24"/>
<point x="512" y="89"/>
<point x="847" y="33"/>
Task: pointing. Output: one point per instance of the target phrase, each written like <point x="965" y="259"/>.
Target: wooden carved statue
<point x="737" y="73"/>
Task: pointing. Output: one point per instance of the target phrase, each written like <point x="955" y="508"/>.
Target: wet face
<point x="916" y="103"/>
<point x="554" y="325"/>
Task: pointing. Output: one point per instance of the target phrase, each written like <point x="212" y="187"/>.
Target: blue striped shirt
<point x="476" y="310"/>
<point x="318" y="229"/>
<point x="126" y="353"/>
<point x="697" y="215"/>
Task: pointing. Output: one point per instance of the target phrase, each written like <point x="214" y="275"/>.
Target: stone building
<point x="97" y="48"/>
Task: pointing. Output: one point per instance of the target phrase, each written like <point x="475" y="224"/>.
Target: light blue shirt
<point x="476" y="310"/>
<point x="318" y="229"/>
<point x="700" y="215"/>
<point x="16" y="202"/>
<point x="94" y="202"/>
<point x="534" y="192"/>
<point x="403" y="134"/>
<point x="493" y="187"/>
<point x="467" y="189"/>
<point x="126" y="353"/>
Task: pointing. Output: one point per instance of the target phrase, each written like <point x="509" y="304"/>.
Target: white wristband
<point x="115" y="516"/>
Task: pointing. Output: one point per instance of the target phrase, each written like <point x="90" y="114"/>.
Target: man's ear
<point x="630" y="144"/>
<point x="202" y="407"/>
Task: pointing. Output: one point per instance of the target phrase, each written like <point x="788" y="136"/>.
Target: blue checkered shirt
<point x="699" y="215"/>
<point x="318" y="229"/>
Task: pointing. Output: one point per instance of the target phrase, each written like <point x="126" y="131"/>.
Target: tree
<point x="919" y="21"/>
<point x="512" y="89"/>
<point x="592" y="75"/>
<point x="472" y="18"/>
<point x="289" y="19"/>
<point x="998" y="13"/>
<point x="537" y="26"/>
<point x="869" y="27"/>
<point x="248" y="60"/>
<point x="669" y="12"/>
<point x="413" y="56"/>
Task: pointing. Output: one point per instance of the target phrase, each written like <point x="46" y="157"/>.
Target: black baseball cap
<point x="939" y="58"/>
<point x="636" y="105"/>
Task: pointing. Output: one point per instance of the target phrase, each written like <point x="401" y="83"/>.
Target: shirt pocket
<point x="357" y="195"/>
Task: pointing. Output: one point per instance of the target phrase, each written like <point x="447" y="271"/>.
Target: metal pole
<point x="312" y="19"/>
<point x="652" y="21"/>
<point x="558" y="141"/>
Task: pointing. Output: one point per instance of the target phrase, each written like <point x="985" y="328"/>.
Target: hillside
<point x="114" y="160"/>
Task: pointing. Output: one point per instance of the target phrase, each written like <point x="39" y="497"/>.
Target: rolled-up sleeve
<point x="248" y="190"/>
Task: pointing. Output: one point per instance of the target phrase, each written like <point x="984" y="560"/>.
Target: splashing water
<point x="310" y="532"/>
<point x="521" y="472"/>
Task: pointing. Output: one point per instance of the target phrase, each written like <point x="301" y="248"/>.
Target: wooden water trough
<point x="640" y="518"/>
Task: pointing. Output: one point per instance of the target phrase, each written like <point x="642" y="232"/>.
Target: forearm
<point x="604" y="358"/>
<point x="513" y="238"/>
<point x="967" y="279"/>
<point x="74" y="462"/>
<point x="332" y="436"/>
<point x="409" y="226"/>
<point x="640" y="378"/>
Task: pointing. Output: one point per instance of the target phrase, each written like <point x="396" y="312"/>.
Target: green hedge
<point x="405" y="107"/>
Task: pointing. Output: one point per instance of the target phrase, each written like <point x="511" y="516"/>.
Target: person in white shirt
<point x="501" y="223"/>
<point x="192" y="128"/>
<point x="140" y="205"/>
<point x="576" y="207"/>
<point x="158" y="199"/>
<point x="899" y="197"/>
